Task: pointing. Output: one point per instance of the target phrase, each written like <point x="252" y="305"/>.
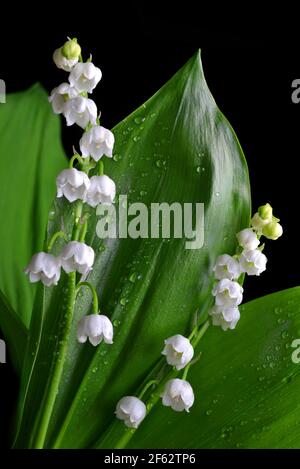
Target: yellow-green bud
<point x="272" y="230"/>
<point x="71" y="49"/>
<point x="265" y="212"/>
<point x="258" y="223"/>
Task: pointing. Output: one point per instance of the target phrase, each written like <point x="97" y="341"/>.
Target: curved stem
<point x="146" y="387"/>
<point x="94" y="294"/>
<point x="186" y="370"/>
<point x="75" y="157"/>
<point x="58" y="234"/>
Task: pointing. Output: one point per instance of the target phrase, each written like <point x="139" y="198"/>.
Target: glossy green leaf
<point x="246" y="385"/>
<point x="177" y="147"/>
<point x="15" y="333"/>
<point x="31" y="155"/>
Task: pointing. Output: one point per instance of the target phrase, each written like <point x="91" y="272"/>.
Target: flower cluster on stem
<point x="249" y="259"/>
<point x="74" y="184"/>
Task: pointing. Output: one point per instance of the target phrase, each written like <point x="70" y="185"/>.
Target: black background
<point x="249" y="59"/>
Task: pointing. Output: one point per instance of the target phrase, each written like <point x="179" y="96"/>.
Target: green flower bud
<point x="272" y="230"/>
<point x="265" y="212"/>
<point x="258" y="223"/>
<point x="71" y="50"/>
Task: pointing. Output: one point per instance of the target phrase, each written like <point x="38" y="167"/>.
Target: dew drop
<point x="116" y="322"/>
<point x="208" y="412"/>
<point x="116" y="157"/>
<point x="133" y="277"/>
<point x="123" y="301"/>
<point x="52" y="215"/>
<point x="217" y="194"/>
<point x="139" y="120"/>
<point x="136" y="138"/>
<point x="284" y="334"/>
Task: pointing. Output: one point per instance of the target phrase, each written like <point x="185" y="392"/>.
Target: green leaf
<point x="177" y="147"/>
<point x="15" y="333"/>
<point x="246" y="385"/>
<point x="31" y="155"/>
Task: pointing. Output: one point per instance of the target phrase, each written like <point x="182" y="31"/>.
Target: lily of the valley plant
<point x="76" y="258"/>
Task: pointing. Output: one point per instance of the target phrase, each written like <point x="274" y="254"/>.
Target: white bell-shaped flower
<point x="80" y="111"/>
<point x="178" y="351"/>
<point x="97" y="142"/>
<point x="248" y="239"/>
<point x="85" y="77"/>
<point x="228" y="293"/>
<point x="63" y="62"/>
<point x="102" y="190"/>
<point x="60" y="95"/>
<point x="95" y="327"/>
<point x="77" y="257"/>
<point x="226" y="267"/>
<point x="178" y="394"/>
<point x="72" y="184"/>
<point x="131" y="410"/>
<point x="253" y="262"/>
<point x="227" y="318"/>
<point x="44" y="267"/>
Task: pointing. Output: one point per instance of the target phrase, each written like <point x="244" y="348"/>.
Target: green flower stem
<point x="96" y="309"/>
<point x="146" y="387"/>
<point x="77" y="224"/>
<point x="75" y="157"/>
<point x="200" y="334"/>
<point x="117" y="437"/>
<point x="186" y="370"/>
<point x="50" y="397"/>
<point x="58" y="234"/>
<point x="100" y="168"/>
<point x="83" y="232"/>
<point x="62" y="345"/>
